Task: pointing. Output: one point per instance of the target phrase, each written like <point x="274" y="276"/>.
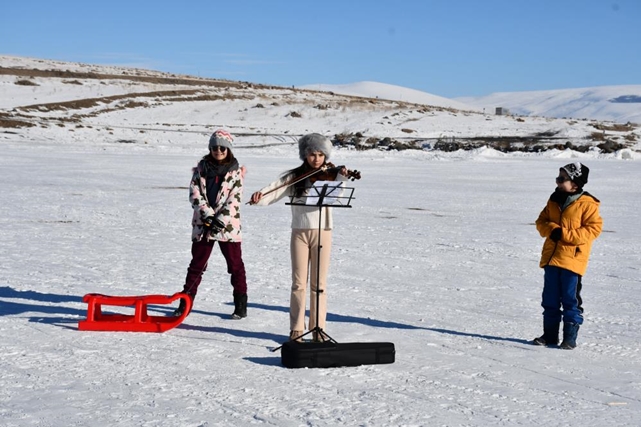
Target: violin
<point x="329" y="172"/>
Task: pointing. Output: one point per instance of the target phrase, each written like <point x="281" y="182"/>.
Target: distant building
<point x="501" y="111"/>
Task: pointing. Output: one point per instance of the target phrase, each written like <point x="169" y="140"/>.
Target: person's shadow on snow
<point x="52" y="309"/>
<point x="55" y="311"/>
<point x="52" y="306"/>
<point x="376" y="323"/>
<point x="239" y="333"/>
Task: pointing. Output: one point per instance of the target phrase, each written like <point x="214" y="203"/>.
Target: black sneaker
<point x="542" y="342"/>
<point x="539" y="341"/>
<point x="565" y="345"/>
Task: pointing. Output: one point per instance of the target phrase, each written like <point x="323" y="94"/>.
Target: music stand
<point x="324" y="194"/>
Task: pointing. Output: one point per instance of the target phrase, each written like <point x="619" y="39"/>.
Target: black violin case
<point x="330" y="354"/>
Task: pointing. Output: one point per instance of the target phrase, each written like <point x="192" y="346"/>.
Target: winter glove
<point x="555" y="235"/>
<point x="213" y="224"/>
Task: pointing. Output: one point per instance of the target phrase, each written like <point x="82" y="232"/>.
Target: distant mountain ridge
<point x="619" y="104"/>
<point x="392" y="93"/>
<point x="75" y="102"/>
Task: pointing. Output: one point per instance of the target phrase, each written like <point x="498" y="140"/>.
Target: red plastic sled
<point x="140" y="321"/>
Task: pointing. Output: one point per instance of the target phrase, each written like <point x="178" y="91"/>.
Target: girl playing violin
<point x="314" y="150"/>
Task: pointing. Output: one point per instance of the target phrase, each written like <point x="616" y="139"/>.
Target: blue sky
<point x="449" y="48"/>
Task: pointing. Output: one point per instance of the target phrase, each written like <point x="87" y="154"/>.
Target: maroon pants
<point x="200" y="252"/>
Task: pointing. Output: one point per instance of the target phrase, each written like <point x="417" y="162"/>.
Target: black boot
<point x="240" y="306"/>
<point x="182" y="306"/>
<point x="550" y="335"/>
<point x="570" y="332"/>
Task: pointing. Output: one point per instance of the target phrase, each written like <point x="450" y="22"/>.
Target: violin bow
<point x="297" y="179"/>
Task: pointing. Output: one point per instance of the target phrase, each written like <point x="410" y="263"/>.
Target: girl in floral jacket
<point x="215" y="194"/>
<point x="569" y="222"/>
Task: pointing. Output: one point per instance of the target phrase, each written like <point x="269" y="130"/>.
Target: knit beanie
<point x="313" y="142"/>
<point x="577" y="172"/>
<point x="221" y="138"/>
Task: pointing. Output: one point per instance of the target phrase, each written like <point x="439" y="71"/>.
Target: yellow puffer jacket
<point x="580" y="224"/>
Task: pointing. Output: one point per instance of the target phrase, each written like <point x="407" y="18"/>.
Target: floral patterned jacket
<point x="226" y="207"/>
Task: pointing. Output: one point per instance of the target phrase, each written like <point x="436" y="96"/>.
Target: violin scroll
<point x="353" y="174"/>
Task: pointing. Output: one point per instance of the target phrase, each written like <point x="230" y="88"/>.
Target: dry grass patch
<point x="14" y="124"/>
<point x="24" y="82"/>
<point x="93" y="102"/>
<point x="169" y="79"/>
<point x="616" y="127"/>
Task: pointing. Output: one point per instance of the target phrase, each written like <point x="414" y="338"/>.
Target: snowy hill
<point x="619" y="104"/>
<point x="78" y="101"/>
<point x="391" y="92"/>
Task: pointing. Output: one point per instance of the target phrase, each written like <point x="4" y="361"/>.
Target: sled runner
<point x="140" y="321"/>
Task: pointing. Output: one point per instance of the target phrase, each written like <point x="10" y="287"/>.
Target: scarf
<point x="565" y="199"/>
<point x="214" y="173"/>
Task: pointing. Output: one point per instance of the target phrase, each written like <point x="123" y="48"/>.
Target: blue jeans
<point x="561" y="288"/>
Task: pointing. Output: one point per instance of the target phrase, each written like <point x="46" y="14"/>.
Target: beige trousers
<point x="304" y="252"/>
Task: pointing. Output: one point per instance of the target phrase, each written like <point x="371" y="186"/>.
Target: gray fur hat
<point x="312" y="142"/>
<point x="221" y="138"/>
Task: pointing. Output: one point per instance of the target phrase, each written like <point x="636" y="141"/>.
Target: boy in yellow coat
<point x="569" y="222"/>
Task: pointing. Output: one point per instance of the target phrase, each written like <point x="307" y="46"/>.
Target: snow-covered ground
<point x="438" y="254"/>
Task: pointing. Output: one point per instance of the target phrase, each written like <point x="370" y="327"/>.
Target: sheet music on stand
<point x="331" y="193"/>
